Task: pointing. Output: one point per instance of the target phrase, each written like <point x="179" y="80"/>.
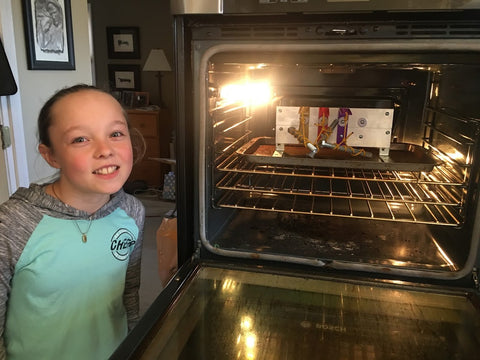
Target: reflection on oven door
<point x="236" y="314"/>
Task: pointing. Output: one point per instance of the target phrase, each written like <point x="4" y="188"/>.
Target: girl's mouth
<point x="106" y="170"/>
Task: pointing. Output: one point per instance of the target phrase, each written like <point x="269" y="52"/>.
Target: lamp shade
<point x="157" y="61"/>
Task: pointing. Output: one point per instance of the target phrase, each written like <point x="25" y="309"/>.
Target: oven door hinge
<point x="475" y="278"/>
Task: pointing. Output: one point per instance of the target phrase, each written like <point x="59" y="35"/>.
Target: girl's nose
<point x="104" y="149"/>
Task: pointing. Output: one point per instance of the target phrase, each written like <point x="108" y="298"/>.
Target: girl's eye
<point x="79" y="139"/>
<point x="117" y="134"/>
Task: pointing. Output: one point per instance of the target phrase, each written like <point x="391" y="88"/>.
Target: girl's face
<point x="90" y="144"/>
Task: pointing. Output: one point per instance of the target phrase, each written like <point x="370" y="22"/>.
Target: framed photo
<point x="128" y="98"/>
<point x="141" y="99"/>
<point x="123" y="42"/>
<point x="124" y="77"/>
<point x="49" y="34"/>
<point x="117" y="95"/>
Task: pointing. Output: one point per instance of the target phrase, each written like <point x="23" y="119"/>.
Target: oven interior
<point x="361" y="159"/>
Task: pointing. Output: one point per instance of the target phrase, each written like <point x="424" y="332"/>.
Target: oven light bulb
<point x="250" y="340"/>
<point x="246" y="323"/>
<point x="255" y="93"/>
<point x="231" y="93"/>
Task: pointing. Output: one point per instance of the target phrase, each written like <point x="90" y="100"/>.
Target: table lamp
<point x="157" y="61"/>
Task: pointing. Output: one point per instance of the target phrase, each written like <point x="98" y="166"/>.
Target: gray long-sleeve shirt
<point x="61" y="297"/>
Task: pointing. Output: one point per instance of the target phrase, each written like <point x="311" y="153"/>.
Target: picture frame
<point x="48" y="34"/>
<point x="123" y="42"/>
<point x="117" y="95"/>
<point x="124" y="77"/>
<point x="128" y="98"/>
<point x="141" y="99"/>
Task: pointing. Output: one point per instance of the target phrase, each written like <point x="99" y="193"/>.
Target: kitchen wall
<point x="154" y="21"/>
<point x="36" y="86"/>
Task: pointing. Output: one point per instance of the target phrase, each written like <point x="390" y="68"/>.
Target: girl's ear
<point x="47" y="154"/>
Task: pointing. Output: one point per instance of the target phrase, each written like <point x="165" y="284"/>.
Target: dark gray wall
<point x="156" y="31"/>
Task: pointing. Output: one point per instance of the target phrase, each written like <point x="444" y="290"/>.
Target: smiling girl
<point x="70" y="250"/>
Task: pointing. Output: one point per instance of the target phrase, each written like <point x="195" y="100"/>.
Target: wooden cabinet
<point x="156" y="130"/>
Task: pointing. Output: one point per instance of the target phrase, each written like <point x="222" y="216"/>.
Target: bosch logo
<point x="122" y="244"/>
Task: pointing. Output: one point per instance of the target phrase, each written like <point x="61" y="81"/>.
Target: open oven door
<point x="220" y="311"/>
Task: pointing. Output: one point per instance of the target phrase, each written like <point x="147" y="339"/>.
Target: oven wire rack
<point x="436" y="197"/>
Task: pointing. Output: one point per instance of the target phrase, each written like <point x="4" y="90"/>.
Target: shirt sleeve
<point x="132" y="280"/>
<point x="17" y="223"/>
<point x="5" y="278"/>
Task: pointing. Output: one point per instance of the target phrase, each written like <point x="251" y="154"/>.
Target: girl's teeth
<point x="106" y="171"/>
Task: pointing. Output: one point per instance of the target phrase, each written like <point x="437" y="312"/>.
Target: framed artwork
<point x="123" y="42"/>
<point x="49" y="34"/>
<point x="124" y="77"/>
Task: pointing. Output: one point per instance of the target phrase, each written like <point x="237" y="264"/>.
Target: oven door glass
<point x="355" y="155"/>
<point x="238" y="314"/>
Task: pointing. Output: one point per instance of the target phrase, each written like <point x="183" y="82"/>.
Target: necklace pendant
<point x="84" y="238"/>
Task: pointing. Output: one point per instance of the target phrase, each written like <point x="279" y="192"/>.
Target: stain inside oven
<point x="341" y="159"/>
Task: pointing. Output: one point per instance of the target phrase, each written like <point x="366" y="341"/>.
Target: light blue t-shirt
<point x="63" y="286"/>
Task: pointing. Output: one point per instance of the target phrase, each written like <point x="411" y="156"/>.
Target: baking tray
<point x="402" y="157"/>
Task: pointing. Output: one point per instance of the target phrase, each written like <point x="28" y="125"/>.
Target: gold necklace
<point x="84" y="233"/>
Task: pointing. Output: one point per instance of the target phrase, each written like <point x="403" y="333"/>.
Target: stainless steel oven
<point x="327" y="182"/>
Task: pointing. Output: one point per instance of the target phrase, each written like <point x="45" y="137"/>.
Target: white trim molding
<point x="11" y="109"/>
